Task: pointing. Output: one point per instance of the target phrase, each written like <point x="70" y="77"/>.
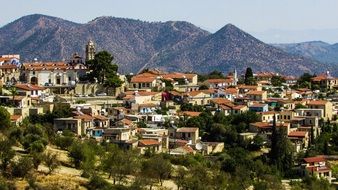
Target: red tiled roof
<point x="29" y="87"/>
<point x="231" y="91"/>
<point x="261" y="125"/>
<point x="8" y="66"/>
<point x="268" y="125"/>
<point x="315" y="159"/>
<point x="188" y="149"/>
<point x="208" y="91"/>
<point x="216" y="81"/>
<point x="100" y="117"/>
<point x="317" y="102"/>
<point x="148" y="142"/>
<point x="178" y="76"/>
<point x="191" y="113"/>
<point x="247" y="87"/>
<point x="298" y="134"/>
<point x="15" y="117"/>
<point x="84" y="117"/>
<point x="142" y="79"/>
<point x="127" y="122"/>
<point x="181" y="142"/>
<point x="238" y="107"/>
<point x="220" y="100"/>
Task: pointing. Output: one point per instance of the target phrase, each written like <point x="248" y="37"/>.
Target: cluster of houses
<point x="133" y="115"/>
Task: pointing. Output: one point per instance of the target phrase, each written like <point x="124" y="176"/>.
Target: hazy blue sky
<point x="255" y="16"/>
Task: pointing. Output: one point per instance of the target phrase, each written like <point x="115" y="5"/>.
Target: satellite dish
<point x="198" y="146"/>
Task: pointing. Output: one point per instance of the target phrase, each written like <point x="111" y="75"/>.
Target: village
<point x="156" y="112"/>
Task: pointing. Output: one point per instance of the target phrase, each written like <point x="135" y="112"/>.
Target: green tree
<point x="22" y="167"/>
<point x="281" y="153"/>
<point x="76" y="154"/>
<point x="203" y="87"/>
<point x="199" y="178"/>
<point x="104" y="70"/>
<point x="180" y="177"/>
<point x="6" y="153"/>
<point x="156" y="168"/>
<point x="5" y="120"/>
<point x="37" y="159"/>
<point x="51" y="161"/>
<point x="13" y="92"/>
<point x="119" y="163"/>
<point x="277" y="80"/>
<point x="98" y="183"/>
<point x="64" y="142"/>
<point x="304" y="81"/>
<point x="34" y="138"/>
<point x="249" y="78"/>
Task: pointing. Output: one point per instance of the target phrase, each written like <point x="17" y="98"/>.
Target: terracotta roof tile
<point x="100" y="117"/>
<point x="317" y="102"/>
<point x="315" y="159"/>
<point x="191" y="113"/>
<point x="297" y="134"/>
<point x="29" y="87"/>
<point x="15" y="117"/>
<point x="148" y="142"/>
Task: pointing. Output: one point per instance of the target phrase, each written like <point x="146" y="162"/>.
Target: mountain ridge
<point x="136" y="45"/>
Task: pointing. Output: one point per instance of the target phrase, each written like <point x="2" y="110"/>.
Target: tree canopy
<point x="5" y="120"/>
<point x="249" y="78"/>
<point x="104" y="70"/>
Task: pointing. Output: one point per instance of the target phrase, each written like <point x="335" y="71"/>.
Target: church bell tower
<point x="90" y="50"/>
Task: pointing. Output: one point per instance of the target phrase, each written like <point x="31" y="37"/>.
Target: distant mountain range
<point x="171" y="46"/>
<point x="317" y="50"/>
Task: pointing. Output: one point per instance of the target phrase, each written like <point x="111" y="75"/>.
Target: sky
<point x="273" y="21"/>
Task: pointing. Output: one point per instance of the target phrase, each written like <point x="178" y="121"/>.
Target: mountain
<point x="231" y="48"/>
<point x="136" y="45"/>
<point x="297" y="36"/>
<point x="317" y="50"/>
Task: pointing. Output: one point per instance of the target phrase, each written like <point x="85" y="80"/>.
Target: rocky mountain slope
<point x="317" y="50"/>
<point x="171" y="46"/>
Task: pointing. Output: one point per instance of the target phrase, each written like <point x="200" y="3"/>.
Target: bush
<point x="97" y="182"/>
<point x="64" y="142"/>
<point x="22" y="167"/>
<point x="51" y="161"/>
<point x="37" y="146"/>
